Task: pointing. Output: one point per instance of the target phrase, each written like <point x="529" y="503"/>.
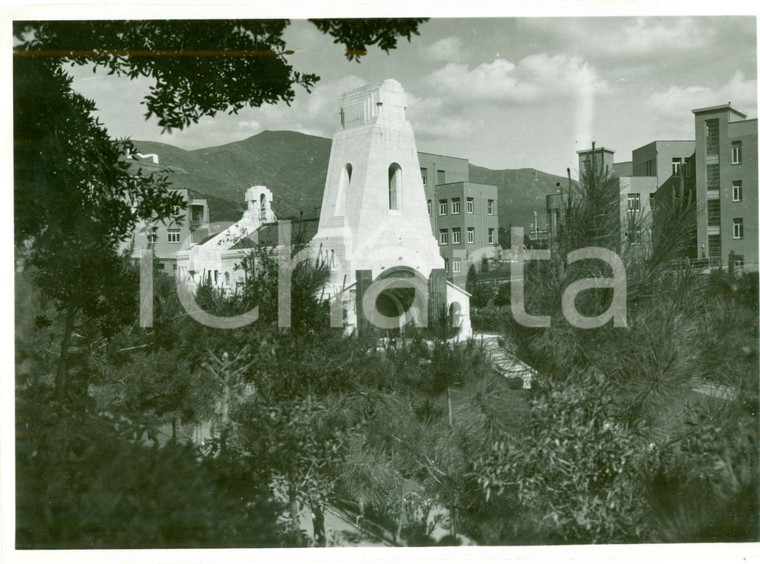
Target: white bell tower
<point x="374" y="214"/>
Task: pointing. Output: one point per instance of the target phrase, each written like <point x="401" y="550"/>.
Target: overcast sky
<point x="505" y="93"/>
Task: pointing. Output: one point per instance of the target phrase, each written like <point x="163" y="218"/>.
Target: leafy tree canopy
<point x="202" y="67"/>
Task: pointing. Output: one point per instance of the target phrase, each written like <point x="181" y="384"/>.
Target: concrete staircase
<point x="505" y="362"/>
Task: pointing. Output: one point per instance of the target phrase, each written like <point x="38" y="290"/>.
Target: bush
<point x="81" y="482"/>
<point x="573" y="471"/>
<point x="489" y="319"/>
<point x="703" y="486"/>
<point x="515" y="383"/>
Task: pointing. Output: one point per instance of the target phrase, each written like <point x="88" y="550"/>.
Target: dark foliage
<point x="93" y="481"/>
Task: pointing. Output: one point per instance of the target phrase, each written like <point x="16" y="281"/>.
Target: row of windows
<point x="440" y="176"/>
<point x="456" y="265"/>
<point x="172" y="235"/>
<point x="456" y="236"/>
<point x="737" y="191"/>
<point x="443" y="206"/>
<point x="713" y="219"/>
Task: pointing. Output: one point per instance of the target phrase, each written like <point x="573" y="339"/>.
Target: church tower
<point x="374" y="213"/>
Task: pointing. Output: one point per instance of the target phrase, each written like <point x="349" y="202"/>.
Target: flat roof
<point x="608" y="149"/>
<point x="716" y="108"/>
<point x="464" y="182"/>
<point x="440" y="155"/>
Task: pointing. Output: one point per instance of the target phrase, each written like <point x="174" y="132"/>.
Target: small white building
<point x="217" y="259"/>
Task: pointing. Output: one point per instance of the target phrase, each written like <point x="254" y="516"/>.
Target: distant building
<point x="189" y="226"/>
<point x="464" y="215"/>
<point x="726" y="186"/>
<point x="635" y="193"/>
<point x="662" y="159"/>
<point x="719" y="169"/>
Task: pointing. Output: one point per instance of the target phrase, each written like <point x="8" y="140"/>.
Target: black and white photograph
<point x="484" y="283"/>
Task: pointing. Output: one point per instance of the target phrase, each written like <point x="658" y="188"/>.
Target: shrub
<point x="573" y="471"/>
<point x="515" y="383"/>
<point x="83" y="482"/>
<point x="703" y="485"/>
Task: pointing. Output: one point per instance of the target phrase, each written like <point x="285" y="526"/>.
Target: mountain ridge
<point x="294" y="166"/>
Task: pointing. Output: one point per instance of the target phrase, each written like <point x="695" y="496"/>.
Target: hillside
<point x="520" y="192"/>
<point x="294" y="166"/>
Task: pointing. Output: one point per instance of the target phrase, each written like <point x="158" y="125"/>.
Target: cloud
<point x="450" y="127"/>
<point x="314" y="113"/>
<point x="626" y="37"/>
<point x="249" y="125"/>
<point x="446" y="49"/>
<point x="647" y="36"/>
<point x="534" y="78"/>
<point x="432" y="118"/>
<point x="741" y="92"/>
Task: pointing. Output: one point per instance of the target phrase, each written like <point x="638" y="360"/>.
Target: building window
<point x="423" y="172"/>
<point x="470" y="234"/>
<point x="712" y="143"/>
<point x="394" y="186"/>
<point x="457" y="266"/>
<point x="736" y="152"/>
<point x="713" y="213"/>
<point x="650" y="168"/>
<point x="443" y="237"/>
<point x="470" y="205"/>
<point x="196" y="216"/>
<point x="676" y="166"/>
<point x="340" y="204"/>
<point x="491" y="207"/>
<point x="651" y="202"/>
<point x="152" y="234"/>
<point x="634" y="203"/>
<point x="263" y="203"/>
<point x="713" y="245"/>
<point x="738" y="195"/>
<point x="456" y="236"/>
<point x="685" y="168"/>
<point x="441" y="177"/>
<point x="443" y="207"/>
<point x="738" y="228"/>
<point x="430" y="207"/>
<point x="713" y="176"/>
<point x="446" y="264"/>
<point x="455" y="206"/>
<point x="491" y="236"/>
<point x="172" y="236"/>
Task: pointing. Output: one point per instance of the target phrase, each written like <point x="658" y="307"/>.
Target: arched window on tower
<point x="263" y="203"/>
<point x="343" y="185"/>
<point x="394" y="186"/>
